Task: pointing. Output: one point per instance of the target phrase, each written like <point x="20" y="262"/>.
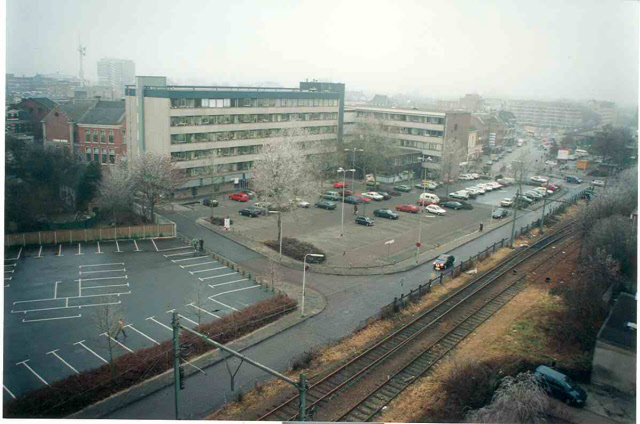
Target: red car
<point x="551" y="187"/>
<point x="362" y="198"/>
<point x="347" y="193"/>
<point x="408" y="208"/>
<point x="239" y="197"/>
<point x="426" y="202"/>
<point x="340" y="184"/>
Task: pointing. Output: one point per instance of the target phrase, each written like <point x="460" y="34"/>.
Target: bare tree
<point x="272" y="274"/>
<point x="216" y="180"/>
<point x="107" y="320"/>
<point x="197" y="298"/>
<point x="369" y="137"/>
<point x="156" y="179"/>
<point x="518" y="399"/>
<point x="116" y="191"/>
<point x="521" y="165"/>
<point x="281" y="173"/>
<point x="452" y="154"/>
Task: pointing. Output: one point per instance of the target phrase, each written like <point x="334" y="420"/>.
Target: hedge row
<point x="294" y="248"/>
<point x="78" y="391"/>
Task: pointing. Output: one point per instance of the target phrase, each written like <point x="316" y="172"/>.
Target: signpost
<point x="389" y="243"/>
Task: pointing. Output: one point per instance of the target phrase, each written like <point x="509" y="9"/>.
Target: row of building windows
<point x="99" y="136"/>
<point x="249" y="102"/>
<point x="399" y="117"/>
<point x="203" y="171"/>
<point x="179" y="121"/>
<point x="413" y="131"/>
<point x="420" y="145"/>
<point x="248" y="134"/>
<point x="107" y="156"/>
<point x="18" y="128"/>
<point x="226" y="151"/>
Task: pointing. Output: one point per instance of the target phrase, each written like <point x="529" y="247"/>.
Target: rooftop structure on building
<point x="381" y="100"/>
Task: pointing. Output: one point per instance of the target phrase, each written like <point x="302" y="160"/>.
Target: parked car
<point x="386" y="213"/>
<point x="500" y="213"/>
<point x="460" y="195"/>
<point x="443" y="262"/>
<point x="373" y="195"/>
<point x="525" y="201"/>
<point x="251" y="212"/>
<point x="533" y="195"/>
<point x="403" y="188"/>
<point x="452" y="205"/>
<point x="332" y="195"/>
<point x="597" y="183"/>
<point x="209" y="202"/>
<point x="340" y="184"/>
<point x="249" y="193"/>
<point x="560" y="386"/>
<point x="353" y="200"/>
<point x="509" y="150"/>
<point x="472" y="192"/>
<point x="395" y="193"/>
<point x="506" y="202"/>
<point x="485" y="186"/>
<point x="408" y="208"/>
<point x="239" y="197"/>
<point x="302" y="203"/>
<point x="494" y="185"/>
<point x="475" y="176"/>
<point x="263" y="205"/>
<point x="346" y="193"/>
<point x="364" y="220"/>
<point x="435" y="209"/>
<point x="422" y="186"/>
<point x="363" y="198"/>
<point x="543" y="191"/>
<point x="425" y="202"/>
<point x="573" y="180"/>
<point x="372" y="183"/>
<point x="553" y="187"/>
<point x="325" y="204"/>
<point x="385" y="195"/>
<point x="480" y="189"/>
<point x="538" y="179"/>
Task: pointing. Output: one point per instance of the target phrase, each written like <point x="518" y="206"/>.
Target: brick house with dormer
<point x="101" y="134"/>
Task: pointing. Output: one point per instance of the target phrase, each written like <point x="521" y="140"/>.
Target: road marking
<point x="103" y="287"/>
<point x="182" y="316"/>
<point x="13" y="265"/>
<point x="103" y="270"/>
<point x="118" y="247"/>
<point x="224" y="284"/>
<point x="236" y="290"/>
<point x="113" y="263"/>
<point x="79" y="250"/>
<point x="226" y="306"/>
<point x="31" y="369"/>
<point x="189" y="363"/>
<point x="158" y="322"/>
<point x="26" y="311"/>
<point x="141" y="333"/>
<point x="60" y="250"/>
<point x="71" y="297"/>
<point x="188" y="259"/>
<point x="176" y="248"/>
<point x="19" y="253"/>
<point x="50" y="319"/>
<point x="136" y="245"/>
<point x="55" y="289"/>
<point x="53" y="352"/>
<point x="98" y="252"/>
<point x="155" y="245"/>
<point x="207" y="270"/>
<point x="203" y="310"/>
<point x="181" y="254"/>
<point x="10" y="271"/>
<point x="9" y="391"/>
<point x="39" y="252"/>
<point x="216" y="276"/>
<point x="198" y="264"/>
<point x="116" y="340"/>
<point x="103" y="278"/>
<point x="81" y="343"/>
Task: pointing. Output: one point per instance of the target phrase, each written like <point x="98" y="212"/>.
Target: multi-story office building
<point x="216" y="133"/>
<point x="546" y="114"/>
<point x="606" y="111"/>
<point x="116" y="73"/>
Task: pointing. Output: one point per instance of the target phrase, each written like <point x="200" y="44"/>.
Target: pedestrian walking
<point x="201" y="242"/>
<point x="355" y="209"/>
<point x="121" y="329"/>
<point x="481" y="226"/>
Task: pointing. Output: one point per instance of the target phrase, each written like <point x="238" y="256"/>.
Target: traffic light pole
<point x="175" y="323"/>
<point x="515" y="214"/>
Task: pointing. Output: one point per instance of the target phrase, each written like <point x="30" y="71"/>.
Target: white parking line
<point x="136" y="245"/>
<point x="104" y="287"/>
<point x="189" y="259"/>
<point x="115" y="340"/>
<point x="203" y="310"/>
<point x="198" y="264"/>
<point x="224" y="284"/>
<point x="71" y="297"/>
<point x="206" y="270"/>
<point x="55" y="289"/>
<point x="175" y="248"/>
<point x="226" y="306"/>
<point x="7" y="278"/>
<point x="9" y="391"/>
<point x="158" y="322"/>
<point x="189" y="363"/>
<point x="141" y="333"/>
<point x="102" y="270"/>
<point x="79" y="250"/>
<point x="19" y="253"/>
<point x="53" y="352"/>
<point x="31" y="369"/>
<point x="182" y="316"/>
<point x="11" y="271"/>
<point x="39" y="252"/>
<point x="13" y="265"/>
<point x="155" y="245"/>
<point x="81" y="343"/>
<point x="50" y="319"/>
<point x="216" y="276"/>
<point x="118" y="247"/>
<point x="98" y="252"/>
<point x="26" y="311"/>
<point x="103" y="278"/>
<point x="113" y="263"/>
<point x="233" y="291"/>
<point x="60" y="250"/>
<point x="180" y="254"/>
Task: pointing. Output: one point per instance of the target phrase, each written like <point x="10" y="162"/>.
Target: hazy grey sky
<point x="520" y="49"/>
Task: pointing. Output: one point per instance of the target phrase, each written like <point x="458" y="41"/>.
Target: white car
<point x="475" y="176"/>
<point x="480" y="190"/>
<point x="538" y="179"/>
<point x="460" y="195"/>
<point x="373" y="195"/>
<point x="551" y="163"/>
<point x="506" y="202"/>
<point x="435" y="209"/>
<point x="304" y="204"/>
<point x="597" y="183"/>
<point x="485" y="187"/>
<point x="495" y="185"/>
<point x="472" y="190"/>
<point x="542" y="191"/>
<point x="465" y="177"/>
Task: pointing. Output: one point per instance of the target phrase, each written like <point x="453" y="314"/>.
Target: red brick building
<point x="101" y="134"/>
<point x="59" y="126"/>
<point x="38" y="108"/>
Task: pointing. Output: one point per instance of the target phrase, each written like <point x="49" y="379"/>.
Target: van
<point x="430" y="197"/>
<point x="574" y="180"/>
<point x="332" y="195"/>
<point x="560" y="386"/>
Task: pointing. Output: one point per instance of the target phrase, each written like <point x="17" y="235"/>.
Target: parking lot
<point x="52" y="294"/>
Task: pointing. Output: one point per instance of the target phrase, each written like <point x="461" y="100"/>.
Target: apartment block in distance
<point x="546" y="114"/>
<point x="216" y="133"/>
<point x="115" y="74"/>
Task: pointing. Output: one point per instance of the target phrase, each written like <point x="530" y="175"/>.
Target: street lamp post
<point x="304" y="276"/>
<point x="344" y="173"/>
<point x="420" y="235"/>
<point x="353" y="162"/>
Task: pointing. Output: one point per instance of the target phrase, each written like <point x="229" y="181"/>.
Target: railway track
<point x="347" y="374"/>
